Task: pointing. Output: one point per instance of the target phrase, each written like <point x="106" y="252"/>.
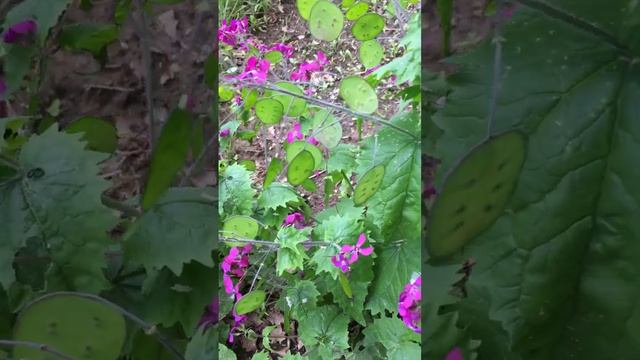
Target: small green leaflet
<point x="250" y="302"/>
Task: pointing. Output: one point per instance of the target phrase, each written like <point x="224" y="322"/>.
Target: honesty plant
<point x="347" y="263"/>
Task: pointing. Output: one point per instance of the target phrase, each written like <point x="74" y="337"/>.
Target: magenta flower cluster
<point x="308" y="67"/>
<point x="235" y="263"/>
<point x="255" y="71"/>
<point x="409" y="304"/>
<point x="295" y="219"/>
<point x="20" y="32"/>
<point x="454" y="354"/>
<point x="230" y="30"/>
<point x="349" y="254"/>
<point x="296" y="134"/>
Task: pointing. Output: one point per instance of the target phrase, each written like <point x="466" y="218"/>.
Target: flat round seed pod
<point x="304" y="7"/>
<point x="368" y="185"/>
<point x="325" y="21"/>
<point x="241" y="227"/>
<point x="475" y="193"/>
<point x="293" y="106"/>
<point x="76" y="326"/>
<point x="274" y="56"/>
<point x="356" y="11"/>
<point x="250" y="302"/>
<point x="370" y="53"/>
<point x="359" y="95"/>
<point x="300" y="168"/>
<point x="327" y="129"/>
<point x="269" y="111"/>
<point x="368" y="27"/>
<point x="296" y="147"/>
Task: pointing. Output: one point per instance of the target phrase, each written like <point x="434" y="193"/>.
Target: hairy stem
<point x="334" y="106"/>
<point x="38" y="346"/>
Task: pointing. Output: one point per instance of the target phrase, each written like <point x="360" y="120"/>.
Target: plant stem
<point x="120" y="206"/>
<point x="9" y="162"/>
<point x="346" y="178"/>
<point x="143" y="35"/>
<point x="271" y="243"/>
<point x="334" y="106"/>
<point x="38" y="346"/>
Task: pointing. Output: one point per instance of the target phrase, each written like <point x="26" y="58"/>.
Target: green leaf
<point x="325" y="21"/>
<point x="359" y="95"/>
<point x="269" y="111"/>
<point x="394" y="266"/>
<point x="343" y="158"/>
<point x="17" y="64"/>
<point x="559" y="263"/>
<point x="203" y="345"/>
<point x="72" y="324"/>
<point x="445" y="14"/>
<point x="359" y="280"/>
<point x="169" y="156"/>
<point x="90" y="37"/>
<point x="59" y="202"/>
<point x="260" y="356"/>
<point x="277" y="195"/>
<point x="407" y="67"/>
<point x="177" y="230"/>
<point x="99" y="134"/>
<point x="236" y="193"/>
<point x="274" y="56"/>
<point x="392" y="333"/>
<point x="291" y="253"/>
<point x="275" y="167"/>
<point x="302" y="296"/>
<point x="395" y="209"/>
<point x="367" y="27"/>
<point x="266" y="343"/>
<point x="370" y="53"/>
<point x="163" y="304"/>
<point x="250" y="302"/>
<point x="225" y="353"/>
<point x="122" y="9"/>
<point x="325" y="326"/>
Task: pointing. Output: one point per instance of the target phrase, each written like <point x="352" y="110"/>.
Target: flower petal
<point x="366" y="251"/>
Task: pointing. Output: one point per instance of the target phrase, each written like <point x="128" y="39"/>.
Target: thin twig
<point x="120" y="206"/>
<point x="143" y="35"/>
<point x="38" y="346"/>
<point x="7" y="161"/>
<point x="334" y="106"/>
<point x="272" y="243"/>
<point x="497" y="69"/>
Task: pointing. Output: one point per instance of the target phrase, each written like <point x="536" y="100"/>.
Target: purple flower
<point x="286" y="50"/>
<point x="237" y="321"/>
<point x="255" y="70"/>
<point x="409" y="304"/>
<point x="3" y="88"/>
<point x="20" y="32"/>
<point x="211" y="315"/>
<point x="296" y="219"/>
<point x="454" y="354"/>
<point x="296" y="134"/>
<point x="225" y="132"/>
<point x="229" y="30"/>
<point x="308" y="67"/>
<point x="349" y="254"/>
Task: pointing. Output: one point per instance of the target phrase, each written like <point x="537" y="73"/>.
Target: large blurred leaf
<point x="169" y="156"/>
<point x="203" y="345"/>
<point x="90" y="37"/>
<point x="171" y="299"/>
<point x="236" y="192"/>
<point x="59" y="203"/>
<point x="560" y="266"/>
<point x="99" y="134"/>
<point x="180" y="227"/>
